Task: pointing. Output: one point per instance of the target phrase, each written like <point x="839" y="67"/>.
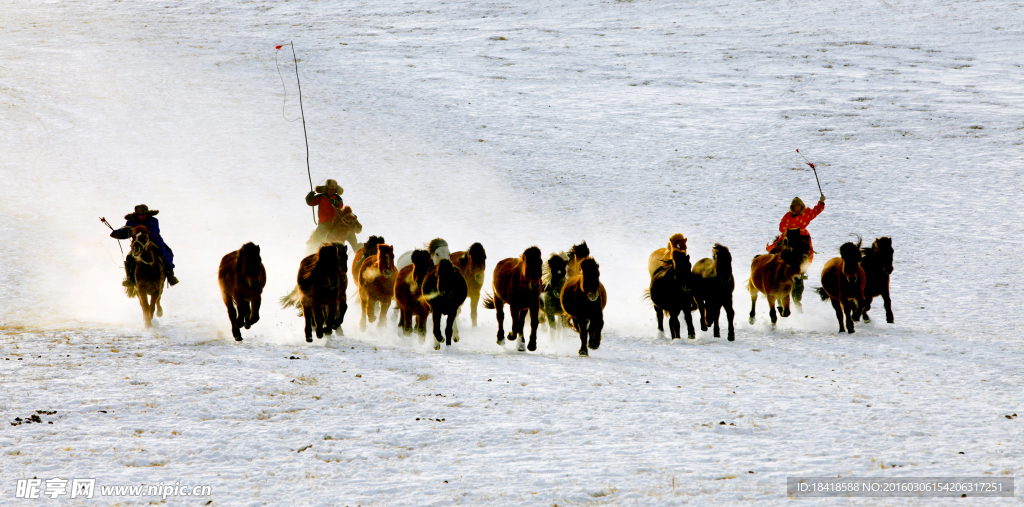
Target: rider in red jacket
<point x="798" y="217"/>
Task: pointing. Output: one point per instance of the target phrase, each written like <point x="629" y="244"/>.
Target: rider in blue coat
<point x="147" y="217"/>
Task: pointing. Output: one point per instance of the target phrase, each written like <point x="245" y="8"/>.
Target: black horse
<point x="713" y="283"/>
<point x="877" y="264"/>
<point x="671" y="290"/>
<point x="554" y="278"/>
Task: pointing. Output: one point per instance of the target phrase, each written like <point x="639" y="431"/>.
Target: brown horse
<point x="376" y="281"/>
<point x="408" y="289"/>
<point x="576" y="254"/>
<point x="149" y="274"/>
<point x="516" y="282"/>
<point x="583" y="298"/>
<point x="369" y="248"/>
<point x="877" y="266"/>
<point x="444" y="289"/>
<point x="472" y="264"/>
<point x="675" y="242"/>
<point x="842" y="281"/>
<point x="772" y="274"/>
<point x="242" y="278"/>
<point x="320" y="290"/>
<point x="553" y="277"/>
<point x="713" y="286"/>
<point x="671" y="289"/>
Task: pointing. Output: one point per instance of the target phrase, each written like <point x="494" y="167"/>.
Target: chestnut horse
<point x="773" y="274"/>
<point x="242" y="278"/>
<point x="713" y="286"/>
<point x="376" y="281"/>
<point x="472" y="264"/>
<point x="576" y="254"/>
<point x="320" y="290"/>
<point x="842" y="281"/>
<point x="877" y="266"/>
<point x="553" y="278"/>
<point x="444" y="289"/>
<point x="369" y="248"/>
<point x="149" y="274"/>
<point x="408" y="288"/>
<point x="671" y="289"/>
<point x="516" y="282"/>
<point x="583" y="298"/>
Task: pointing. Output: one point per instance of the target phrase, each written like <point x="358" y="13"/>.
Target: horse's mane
<point x="580" y="251"/>
<point x="534" y="264"/>
<point x="421" y="262"/>
<point x="435" y="244"/>
<point x="722" y="252"/>
<point x="370" y="247"/>
<point x="850" y="252"/>
<point x="588" y="266"/>
<point x="676" y="238"/>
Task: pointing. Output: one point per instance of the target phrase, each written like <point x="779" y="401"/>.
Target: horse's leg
<point x="594" y="329"/>
<point x="499" y="313"/>
<point x="451" y="328"/>
<point x="729" y="314"/>
<point x="371" y="308"/>
<point x="849" y="317"/>
<point x="534" y="324"/>
<point x="363" y="310"/>
<point x="331" y="319"/>
<point x="147" y="318"/>
<point x="319" y="318"/>
<point x="867" y="306"/>
<point x="771" y="310"/>
<point x="254" y="315"/>
<point x="519" y="327"/>
<point x="474" y="298"/>
<point x="340" y="314"/>
<point x="455" y="327"/>
<point x="243" y="313"/>
<point x="307" y="314"/>
<point x="660" y="315"/>
<point x="385" y="304"/>
<point x="888" y="304"/>
<point x="232" y="316"/>
<point x="702" y="308"/>
<point x="784" y="308"/>
<point x="581" y="326"/>
<point x="753" y="300"/>
<point x="437" y="329"/>
<point x="838" y="307"/>
<point x="673" y="324"/>
<point x="690" y="333"/>
<point x="714" y="311"/>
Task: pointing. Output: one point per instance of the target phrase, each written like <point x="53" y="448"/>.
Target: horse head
<point x="249" y="260"/>
<point x="797" y="248"/>
<point x="421" y="263"/>
<point x="446" y="273"/>
<point x="591" y="278"/>
<point x="385" y="259"/>
<point x="677" y="242"/>
<point x="723" y="261"/>
<point x="477" y="257"/>
<point x="532" y="268"/>
<point x="438" y="249"/>
<point x="554" y="273"/>
<point x="141" y="244"/>
<point x="851" y="255"/>
<point x="370" y="247"/>
<point x="327" y="255"/>
<point x="882" y="248"/>
<point x="580" y="251"/>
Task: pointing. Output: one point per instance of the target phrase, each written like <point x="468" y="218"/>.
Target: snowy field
<point x="511" y="124"/>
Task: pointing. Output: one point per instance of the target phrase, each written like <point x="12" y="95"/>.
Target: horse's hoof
<point x="703" y="328"/>
<point x="238" y="338"/>
<point x="319" y="334"/>
<point x="718" y="335"/>
<point x="456" y="338"/>
<point x="522" y="346"/>
<point x="437" y="345"/>
<point x="584" y="353"/>
<point x="692" y="337"/>
<point x="309" y="339"/>
<point x="237" y="333"/>
<point x="501" y="342"/>
<point x="889" y="320"/>
<point x="594" y="345"/>
<point x="732" y="338"/>
<point x="533" y="345"/>
<point x="751" y="321"/>
<point x="867" y="320"/>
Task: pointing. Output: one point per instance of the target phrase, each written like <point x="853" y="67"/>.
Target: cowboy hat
<point x="141" y="208"/>
<point x="322" y="189"/>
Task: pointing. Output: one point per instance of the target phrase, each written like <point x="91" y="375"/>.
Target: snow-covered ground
<point x="512" y="124"/>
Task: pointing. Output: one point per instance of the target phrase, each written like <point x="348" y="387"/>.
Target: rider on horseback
<point x="335" y="220"/>
<point x="798" y="218"/>
<point x="145" y="217"/>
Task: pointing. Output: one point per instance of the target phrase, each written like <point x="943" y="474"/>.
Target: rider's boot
<point x="129" y="270"/>
<point x="171" y="279"/>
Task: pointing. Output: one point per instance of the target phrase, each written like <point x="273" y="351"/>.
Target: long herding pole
<point x="813" y="169"/>
<point x="105" y="222"/>
<point x="303" y="113"/>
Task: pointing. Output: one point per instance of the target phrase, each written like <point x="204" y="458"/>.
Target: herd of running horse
<point x="565" y="290"/>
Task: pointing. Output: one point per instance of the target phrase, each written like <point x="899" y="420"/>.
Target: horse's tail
<point x="489" y="302"/>
<point x="821" y="292"/>
<point x="292" y="299"/>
